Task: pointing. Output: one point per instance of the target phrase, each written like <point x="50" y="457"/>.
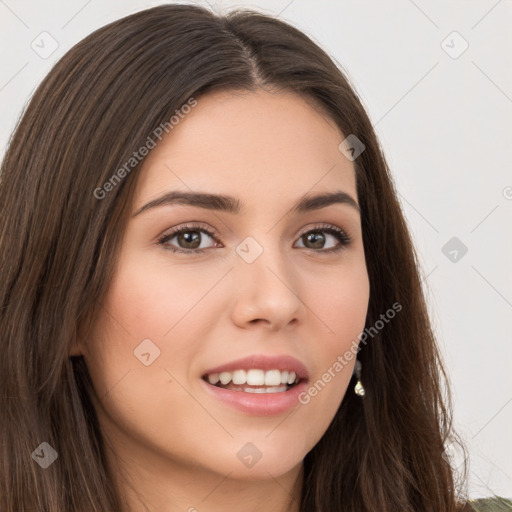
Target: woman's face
<point x="270" y="280"/>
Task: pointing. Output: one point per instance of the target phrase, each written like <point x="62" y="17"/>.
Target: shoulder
<point x="494" y="504"/>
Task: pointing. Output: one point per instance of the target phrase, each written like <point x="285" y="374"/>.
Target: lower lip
<point x="259" y="404"/>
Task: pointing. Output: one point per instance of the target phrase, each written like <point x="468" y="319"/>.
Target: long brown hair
<point x="59" y="241"/>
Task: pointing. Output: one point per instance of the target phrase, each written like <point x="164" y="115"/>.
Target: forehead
<point x="255" y="144"/>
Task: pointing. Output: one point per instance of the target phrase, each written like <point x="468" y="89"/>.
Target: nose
<point x="266" y="291"/>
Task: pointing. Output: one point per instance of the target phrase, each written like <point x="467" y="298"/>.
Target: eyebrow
<point x="234" y="206"/>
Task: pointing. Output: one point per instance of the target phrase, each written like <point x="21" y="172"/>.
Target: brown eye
<point x="188" y="239"/>
<point x="317" y="238"/>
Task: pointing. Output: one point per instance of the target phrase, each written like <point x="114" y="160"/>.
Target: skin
<point x="177" y="445"/>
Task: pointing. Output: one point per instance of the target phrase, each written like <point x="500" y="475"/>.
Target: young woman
<point x="209" y="298"/>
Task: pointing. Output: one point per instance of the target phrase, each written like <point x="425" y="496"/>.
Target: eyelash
<point x="344" y="239"/>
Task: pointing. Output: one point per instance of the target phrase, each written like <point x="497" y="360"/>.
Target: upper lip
<point x="263" y="362"/>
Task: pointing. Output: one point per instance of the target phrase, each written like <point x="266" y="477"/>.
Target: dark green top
<point x="491" y="505"/>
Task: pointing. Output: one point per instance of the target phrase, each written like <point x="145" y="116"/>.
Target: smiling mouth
<point x="254" y="381"/>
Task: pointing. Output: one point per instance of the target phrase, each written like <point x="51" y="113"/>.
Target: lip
<point x="263" y="362"/>
<point x="258" y="404"/>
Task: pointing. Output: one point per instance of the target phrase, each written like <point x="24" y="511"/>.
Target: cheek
<point x="151" y="309"/>
<point x="154" y="300"/>
<point x="341" y="303"/>
<point x="340" y="307"/>
<point x="344" y="308"/>
<point x="146" y="303"/>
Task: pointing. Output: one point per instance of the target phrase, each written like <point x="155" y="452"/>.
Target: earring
<point x="358" y="388"/>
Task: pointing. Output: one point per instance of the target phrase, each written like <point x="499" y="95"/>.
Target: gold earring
<point x="358" y="388"/>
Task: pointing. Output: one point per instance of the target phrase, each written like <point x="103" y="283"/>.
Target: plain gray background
<point x="435" y="77"/>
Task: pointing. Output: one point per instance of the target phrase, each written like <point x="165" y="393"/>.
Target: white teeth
<point x="213" y="378"/>
<point x="272" y="378"/>
<point x="254" y="377"/>
<point x="225" y="377"/>
<point x="239" y="377"/>
<point x="275" y="389"/>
